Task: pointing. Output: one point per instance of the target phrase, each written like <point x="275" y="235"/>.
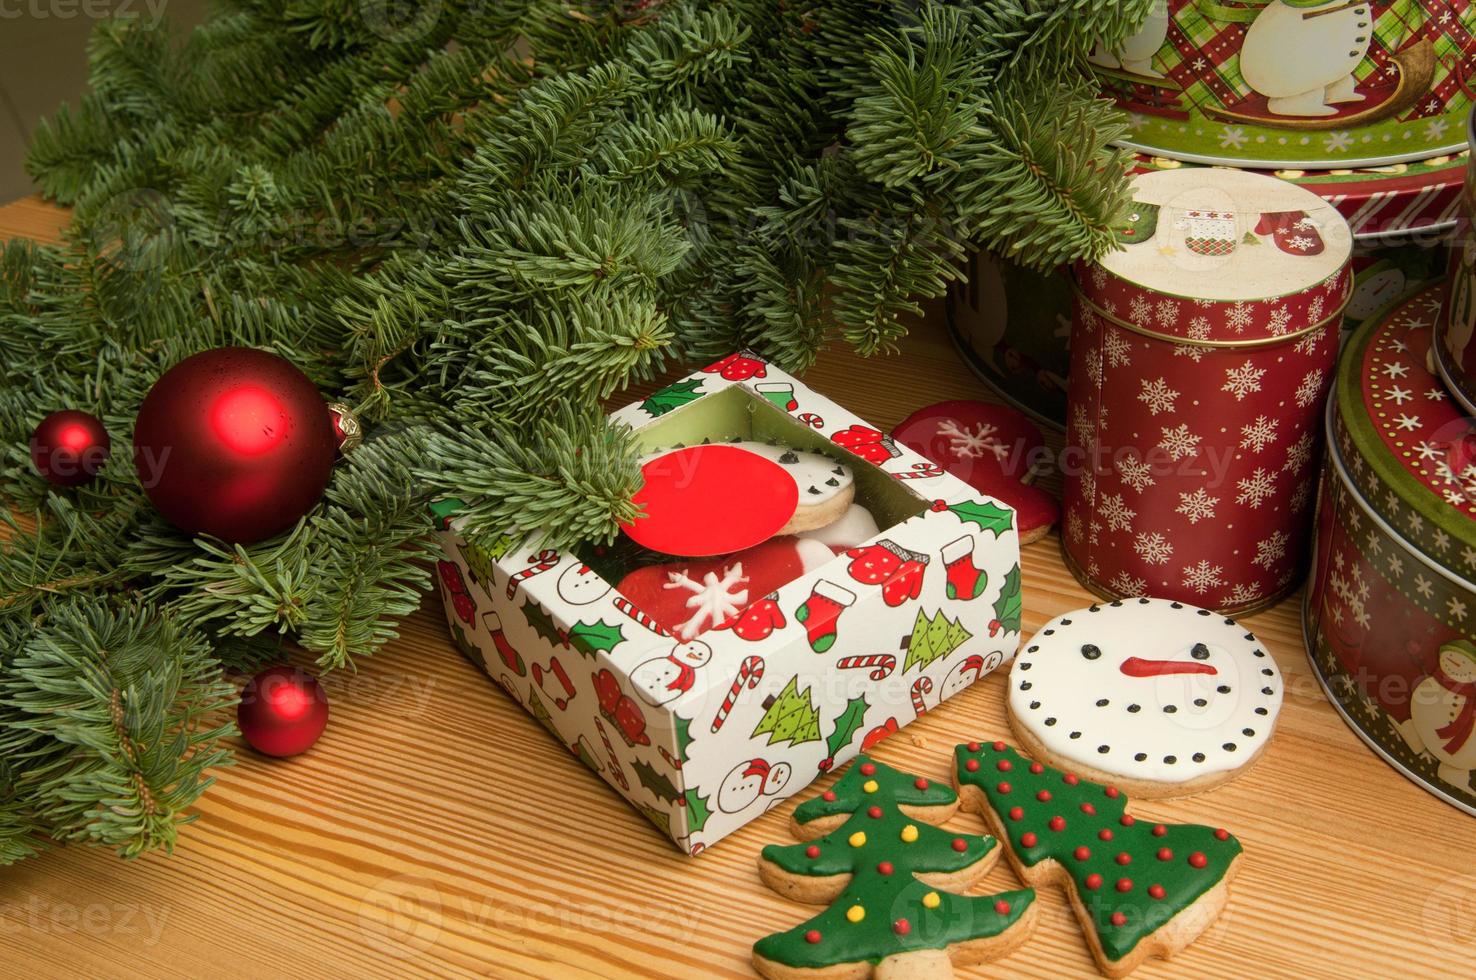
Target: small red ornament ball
<point x="282" y="712"/>
<point x="69" y="447"/>
<point x="234" y="442"/>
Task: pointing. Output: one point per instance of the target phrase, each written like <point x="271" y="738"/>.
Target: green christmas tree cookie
<point x="1139" y="888"/>
<point x="889" y="876"/>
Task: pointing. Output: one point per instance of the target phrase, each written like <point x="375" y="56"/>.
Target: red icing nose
<point x="1138" y="667"/>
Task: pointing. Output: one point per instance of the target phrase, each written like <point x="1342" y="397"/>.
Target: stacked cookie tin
<point x="1391" y="606"/>
<point x="1362" y="103"/>
<point x="1201" y="352"/>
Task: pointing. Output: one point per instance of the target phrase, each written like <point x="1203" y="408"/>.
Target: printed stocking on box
<point x="821" y="611"/>
<point x="965" y="579"/>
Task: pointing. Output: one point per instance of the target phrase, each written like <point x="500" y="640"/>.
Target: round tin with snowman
<point x="1295" y="83"/>
<point x="1390" y="612"/>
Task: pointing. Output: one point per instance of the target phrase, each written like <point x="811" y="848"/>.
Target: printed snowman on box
<point x="706" y="724"/>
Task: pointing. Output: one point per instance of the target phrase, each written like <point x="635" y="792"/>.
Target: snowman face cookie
<point x="1162" y="698"/>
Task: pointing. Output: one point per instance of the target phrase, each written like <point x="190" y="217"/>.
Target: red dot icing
<point x="999" y="746"/>
<point x="1004" y="765"/>
<point x="1003" y="789"/>
<point x="1118" y="919"/>
<point x="1222" y="834"/>
<point x="1124" y="884"/>
<point x="1156" y="891"/>
<point x="1028" y="838"/>
<point x="1088" y="809"/>
<point x="901" y="927"/>
<point x="920" y="783"/>
<point x="813" y="851"/>
<point x="974" y="747"/>
<point x="1070" y="779"/>
<point x="1127" y="820"/>
<point x="828" y="796"/>
<point x="1016" y="813"/>
<point x="1093" y="882"/>
<point x="1002" y="907"/>
<point x="1036" y="768"/>
<point x="1082" y="853"/>
<point x="1124" y="857"/>
<point x="1058" y="823"/>
<point x="874" y="812"/>
<point x="1164" y="854"/>
<point x="1112" y="793"/>
<point x="1197" y="860"/>
<point x="885" y="868"/>
<point x="812" y="937"/>
<point x="972" y="765"/>
<point x="960" y="845"/>
<point x="1159" y="830"/>
<point x="867" y="769"/>
<point x="1044" y="796"/>
<point x="1105" y="833"/>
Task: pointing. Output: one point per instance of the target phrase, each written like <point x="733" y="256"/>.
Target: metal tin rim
<point x="1254" y="342"/>
<point x="1269" y="164"/>
<point x="971" y="358"/>
<point x="1340" y="468"/>
<point x="1103" y="592"/>
<point x="1363" y="736"/>
<point x="1442" y="367"/>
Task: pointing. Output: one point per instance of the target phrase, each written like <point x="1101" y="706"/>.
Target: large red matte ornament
<point x="235" y="443"/>
<point x="69" y="447"/>
<point x="283" y="711"/>
<point x="711" y="500"/>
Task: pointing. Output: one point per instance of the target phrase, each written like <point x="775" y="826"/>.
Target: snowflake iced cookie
<point x="890" y="876"/>
<point x="1158" y="697"/>
<point x="688" y="598"/>
<point x="1138" y="888"/>
<point x="991" y="448"/>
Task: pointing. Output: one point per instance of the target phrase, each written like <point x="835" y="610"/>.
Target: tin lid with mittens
<point x="1406" y="446"/>
<point x="1222" y="257"/>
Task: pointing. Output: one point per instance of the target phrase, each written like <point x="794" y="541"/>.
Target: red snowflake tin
<point x="1391" y="608"/>
<point x="1200" y="355"/>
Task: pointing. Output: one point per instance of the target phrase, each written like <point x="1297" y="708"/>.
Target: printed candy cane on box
<point x="626" y="606"/>
<point x="615" y="769"/>
<point x="920" y="471"/>
<point x="920" y="687"/>
<point x="544" y="560"/>
<point x="749" y="675"/>
<point x="882" y="664"/>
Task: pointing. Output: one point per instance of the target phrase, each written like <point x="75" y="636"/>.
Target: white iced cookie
<point x="855" y="527"/>
<point x="826" y="487"/>
<point x="1156" y="697"/>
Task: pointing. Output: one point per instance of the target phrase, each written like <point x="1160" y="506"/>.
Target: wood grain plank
<point x="437" y="831"/>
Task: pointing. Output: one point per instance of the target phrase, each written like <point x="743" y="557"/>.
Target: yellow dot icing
<point x="855" y="913"/>
<point x="909" y="833"/>
<point x="858" y="839"/>
<point x="931" y="900"/>
<point x="869" y="786"/>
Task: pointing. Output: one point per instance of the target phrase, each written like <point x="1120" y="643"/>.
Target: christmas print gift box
<point x="1390" y="613"/>
<point x="706" y="723"/>
<point x="1295" y="83"/>
<point x="1200" y="354"/>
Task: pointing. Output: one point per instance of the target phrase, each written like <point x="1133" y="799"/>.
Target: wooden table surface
<point x="437" y="830"/>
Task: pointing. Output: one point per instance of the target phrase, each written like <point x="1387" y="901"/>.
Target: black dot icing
<point x="1176" y="605"/>
<point x="1261" y="711"/>
<point x="1026" y="685"/>
<point x="1205" y="612"/>
<point x="1065" y="622"/>
<point x="1198" y="757"/>
<point x="1200" y="702"/>
<point x="1034" y="705"/>
<point x="1075" y="735"/>
<point x="1101" y="702"/>
<point x="1116" y="603"/>
<point x="1267" y="691"/>
<point x="1223" y="689"/>
<point x="1170" y="759"/>
<point x="1229" y="621"/>
<point x="1142" y="602"/>
<point x="1169" y="709"/>
<point x="1091" y="651"/>
<point x="788" y="458"/>
<point x="1135" y="708"/>
<point x="1268" y="672"/>
<point x="1103" y="749"/>
<point x="1032" y="648"/>
<point x="1200" y="652"/>
<point x="1140" y="756"/>
<point x="1094" y="608"/>
<point x="1228" y="746"/>
<point x="1050" y="721"/>
<point x="1047" y="632"/>
<point x="1248" y="732"/>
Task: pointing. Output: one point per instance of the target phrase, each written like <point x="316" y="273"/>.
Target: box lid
<point x="1405" y="444"/>
<point x="1224" y="258"/>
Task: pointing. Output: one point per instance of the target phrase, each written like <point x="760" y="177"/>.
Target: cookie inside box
<point x="839" y="502"/>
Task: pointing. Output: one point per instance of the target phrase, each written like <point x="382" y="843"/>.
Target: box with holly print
<point x="703" y="730"/>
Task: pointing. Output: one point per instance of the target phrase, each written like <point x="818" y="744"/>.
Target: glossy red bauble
<point x="69" y="447"/>
<point x="282" y="712"/>
<point x="235" y="443"/>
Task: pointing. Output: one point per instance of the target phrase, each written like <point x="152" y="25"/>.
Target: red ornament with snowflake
<point x="1194" y="421"/>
